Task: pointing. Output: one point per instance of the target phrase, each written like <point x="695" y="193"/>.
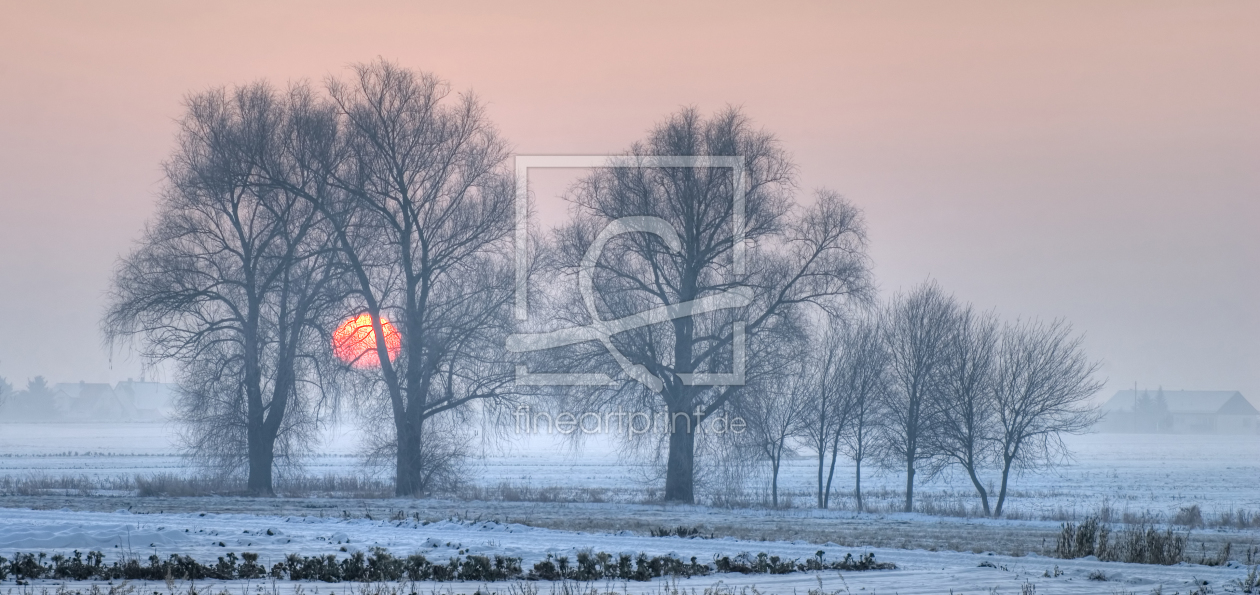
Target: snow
<point x="1133" y="472"/>
<point x="1137" y="473"/>
<point x="121" y="534"/>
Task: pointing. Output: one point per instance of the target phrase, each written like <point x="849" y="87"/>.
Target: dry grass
<point x="180" y="486"/>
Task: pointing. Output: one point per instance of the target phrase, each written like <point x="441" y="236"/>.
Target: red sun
<point x="354" y="342"/>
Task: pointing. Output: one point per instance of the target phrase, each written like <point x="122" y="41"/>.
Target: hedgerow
<point x="382" y="566"/>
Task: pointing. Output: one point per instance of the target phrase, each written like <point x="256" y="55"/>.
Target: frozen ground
<point x="934" y="554"/>
<point x="1128" y="472"/>
<point x="207" y="535"/>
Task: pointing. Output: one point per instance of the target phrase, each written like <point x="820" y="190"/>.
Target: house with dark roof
<point x="1180" y="412"/>
<point x="89" y="401"/>
<point x="146" y="401"/>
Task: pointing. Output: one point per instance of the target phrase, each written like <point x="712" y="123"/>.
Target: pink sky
<point x="1092" y="160"/>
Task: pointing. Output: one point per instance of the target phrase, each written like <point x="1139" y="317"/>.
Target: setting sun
<point x="354" y="342"/>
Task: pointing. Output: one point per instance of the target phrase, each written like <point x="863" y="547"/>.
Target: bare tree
<point x="917" y="328"/>
<point x="860" y="374"/>
<point x="1044" y="381"/>
<point x="6" y="390"/>
<point x="965" y="429"/>
<point x="422" y="214"/>
<point x="229" y="282"/>
<point x="775" y="410"/>
<point x="827" y="409"/>
<point x="816" y="256"/>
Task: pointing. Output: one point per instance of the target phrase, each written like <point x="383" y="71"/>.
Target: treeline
<point x="36" y="402"/>
<point x="350" y="250"/>
<point x="386" y="198"/>
<point x="925" y="383"/>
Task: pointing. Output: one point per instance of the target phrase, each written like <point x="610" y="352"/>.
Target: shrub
<point x="381" y="566"/>
<point x="679" y="531"/>
<point x="1086" y="539"/>
<point x="1141" y="543"/>
<point x="1251" y="584"/>
<point x="1145" y="544"/>
<point x="1189" y="517"/>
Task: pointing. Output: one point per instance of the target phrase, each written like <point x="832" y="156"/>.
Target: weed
<point x="1189" y="516"/>
<point x="679" y="531"/>
<point x="1251" y="584"/>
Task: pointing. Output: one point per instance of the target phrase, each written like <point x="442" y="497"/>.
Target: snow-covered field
<point x="1137" y="473"/>
<point x="208" y="535"/>
<point x="1128" y="472"/>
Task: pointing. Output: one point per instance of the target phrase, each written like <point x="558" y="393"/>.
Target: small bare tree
<point x="965" y="430"/>
<point x="827" y="409"/>
<point x="916" y="329"/>
<point x="861" y="375"/>
<point x="1044" y="381"/>
<point x="775" y="409"/>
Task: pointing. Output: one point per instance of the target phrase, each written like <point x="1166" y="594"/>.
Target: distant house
<point x="147" y="401"/>
<point x="89" y="401"/>
<point x="1180" y="412"/>
<point x="131" y="400"/>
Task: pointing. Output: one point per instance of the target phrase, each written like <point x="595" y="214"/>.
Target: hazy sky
<point x="1098" y="161"/>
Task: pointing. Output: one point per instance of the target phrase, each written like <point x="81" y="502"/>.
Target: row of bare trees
<point x="925" y="383"/>
<point x="286" y="213"/>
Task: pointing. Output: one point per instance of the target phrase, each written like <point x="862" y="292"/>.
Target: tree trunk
<point x="857" y="484"/>
<point x="831" y="473"/>
<point x="909" y="484"/>
<point x="975" y="481"/>
<point x="680" y="468"/>
<point x="258" y="448"/>
<point x="1006" y="473"/>
<point x="408" y="472"/>
<point x="261" y="456"/>
<point x="822" y="459"/>
<point x="774" y="481"/>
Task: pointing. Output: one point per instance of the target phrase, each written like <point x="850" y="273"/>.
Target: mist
<point x="1095" y="163"/>
<point x="823" y="297"/>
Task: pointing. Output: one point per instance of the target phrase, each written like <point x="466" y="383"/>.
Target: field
<point x="545" y="498"/>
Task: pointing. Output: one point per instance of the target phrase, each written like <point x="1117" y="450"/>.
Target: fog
<point x="1091" y="162"/>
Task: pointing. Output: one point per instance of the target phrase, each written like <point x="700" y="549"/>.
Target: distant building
<point x="147" y="401"/>
<point x="1180" y="412"/>
<point x="127" y="401"/>
<point x="88" y="401"/>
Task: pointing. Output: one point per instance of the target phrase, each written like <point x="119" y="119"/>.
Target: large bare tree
<point x="422" y="209"/>
<point x="229" y="281"/>
<point x="814" y="254"/>
<point x="1043" y="384"/>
